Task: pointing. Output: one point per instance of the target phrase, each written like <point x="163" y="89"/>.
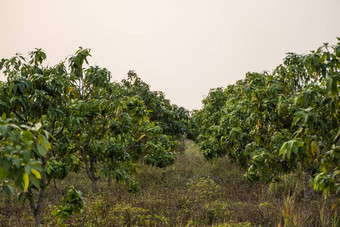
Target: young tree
<point x="276" y="123"/>
<point x="36" y="96"/>
<point x="110" y="130"/>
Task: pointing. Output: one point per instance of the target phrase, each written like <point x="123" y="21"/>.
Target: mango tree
<point x="35" y="97"/>
<point x="276" y="123"/>
<point x="110" y="131"/>
<point x="173" y="119"/>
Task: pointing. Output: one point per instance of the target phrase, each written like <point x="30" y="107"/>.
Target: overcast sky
<point x="181" y="47"/>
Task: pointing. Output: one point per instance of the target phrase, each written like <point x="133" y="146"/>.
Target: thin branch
<point x="59" y="133"/>
<point x="55" y="185"/>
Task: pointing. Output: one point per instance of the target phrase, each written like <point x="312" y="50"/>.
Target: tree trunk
<point x="36" y="209"/>
<point x="94" y="185"/>
<point x="37" y="218"/>
<point x="93" y="179"/>
<point x="90" y="170"/>
<point x="308" y="191"/>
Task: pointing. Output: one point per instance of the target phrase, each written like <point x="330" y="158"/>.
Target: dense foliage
<point x="273" y="123"/>
<point x="63" y="118"/>
<point x="71" y="117"/>
<point x="171" y="118"/>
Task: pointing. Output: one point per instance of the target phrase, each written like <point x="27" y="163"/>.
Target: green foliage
<point x="204" y="189"/>
<point x="21" y="146"/>
<point x="274" y="123"/>
<point x="73" y="203"/>
<point x="124" y="214"/>
<point x="171" y="118"/>
<point x="71" y="116"/>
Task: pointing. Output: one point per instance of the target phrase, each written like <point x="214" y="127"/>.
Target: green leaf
<point x="337" y="50"/>
<point x="289" y="149"/>
<point x="36" y="173"/>
<point x="283" y="149"/>
<point x="3" y="175"/>
<point x="5" y="165"/>
<point x="41" y="150"/>
<point x="3" y="129"/>
<point x="54" y="213"/>
<point x="25" y="178"/>
<point x="299" y="143"/>
<point x="28" y="135"/>
<point x="28" y="169"/>
<point x="16" y="162"/>
<point x="329" y="84"/>
<point x="26" y="155"/>
<point x="13" y="137"/>
<point x="11" y="189"/>
<point x="34" y="181"/>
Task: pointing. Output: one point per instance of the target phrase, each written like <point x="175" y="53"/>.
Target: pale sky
<point x="180" y="47"/>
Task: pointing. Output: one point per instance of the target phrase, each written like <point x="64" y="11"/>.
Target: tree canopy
<point x="273" y="123"/>
<point x="71" y="116"/>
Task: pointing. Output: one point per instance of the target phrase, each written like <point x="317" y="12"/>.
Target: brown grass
<point x="192" y="192"/>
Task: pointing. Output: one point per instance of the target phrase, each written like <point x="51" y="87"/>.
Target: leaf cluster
<point x="273" y="123"/>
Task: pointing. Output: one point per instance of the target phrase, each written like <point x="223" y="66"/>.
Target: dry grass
<point x="192" y="192"/>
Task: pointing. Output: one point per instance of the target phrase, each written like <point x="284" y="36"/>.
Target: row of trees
<point x="274" y="123"/>
<point x="60" y="119"/>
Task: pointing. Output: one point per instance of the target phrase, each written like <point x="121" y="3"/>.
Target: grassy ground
<point x="192" y="192"/>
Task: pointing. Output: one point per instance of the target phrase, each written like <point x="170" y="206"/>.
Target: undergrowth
<point x="191" y="192"/>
